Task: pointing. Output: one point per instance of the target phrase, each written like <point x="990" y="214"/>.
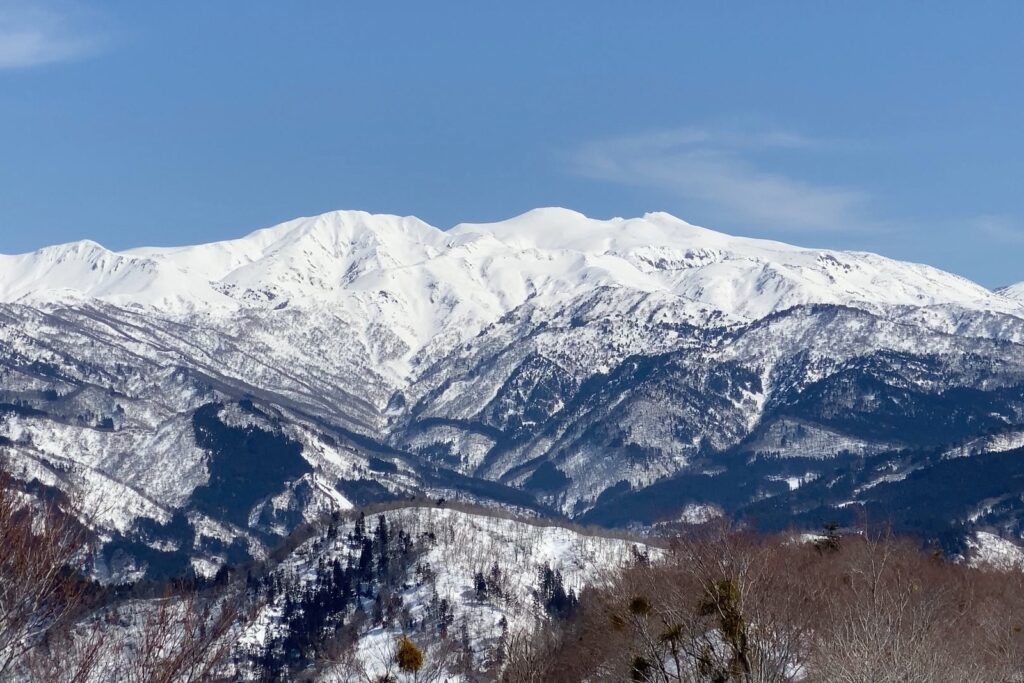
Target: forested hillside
<point x="427" y="592"/>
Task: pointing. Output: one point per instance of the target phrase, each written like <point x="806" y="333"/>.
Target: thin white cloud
<point x="719" y="169"/>
<point x="998" y="229"/>
<point x="32" y="34"/>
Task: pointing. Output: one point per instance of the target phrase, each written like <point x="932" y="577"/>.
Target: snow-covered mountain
<point x="1015" y="292"/>
<point x="430" y="279"/>
<point x="200" y="401"/>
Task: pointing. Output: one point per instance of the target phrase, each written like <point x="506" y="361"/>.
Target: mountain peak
<point x="427" y="279"/>
<point x="1015" y="292"/>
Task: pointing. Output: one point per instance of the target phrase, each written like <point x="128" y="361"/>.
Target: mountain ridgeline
<point x="199" y="403"/>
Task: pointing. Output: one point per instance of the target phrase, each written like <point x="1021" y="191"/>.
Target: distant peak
<point x="552" y="213"/>
<point x="78" y="247"/>
<point x="664" y="216"/>
<point x="346" y="221"/>
<point x="85" y="249"/>
<point x="1013" y="291"/>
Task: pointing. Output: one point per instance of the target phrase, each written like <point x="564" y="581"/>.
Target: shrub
<point x="409" y="657"/>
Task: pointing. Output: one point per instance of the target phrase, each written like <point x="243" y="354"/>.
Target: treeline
<point x="732" y="607"/>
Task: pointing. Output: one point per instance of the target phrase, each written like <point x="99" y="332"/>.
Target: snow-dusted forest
<point x="428" y="591"/>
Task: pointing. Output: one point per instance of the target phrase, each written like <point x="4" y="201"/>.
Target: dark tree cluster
<point x="552" y="595"/>
<point x="490" y="585"/>
<point x="362" y="583"/>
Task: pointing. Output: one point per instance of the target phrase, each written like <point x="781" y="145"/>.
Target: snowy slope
<point x="989" y="550"/>
<point x="1014" y="291"/>
<point x="427" y="283"/>
<point x="461" y="544"/>
<point x="469" y="543"/>
<point x="85" y="269"/>
<point x="741" y="276"/>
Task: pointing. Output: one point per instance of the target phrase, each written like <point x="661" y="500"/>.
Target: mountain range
<point x="198" y="403"/>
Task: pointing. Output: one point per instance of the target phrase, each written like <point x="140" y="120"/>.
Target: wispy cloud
<point x="998" y="229"/>
<point x="36" y="33"/>
<point x="720" y="169"/>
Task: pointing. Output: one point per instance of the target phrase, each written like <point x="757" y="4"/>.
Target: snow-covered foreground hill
<point x="477" y="595"/>
<point x="470" y="583"/>
<point x="476" y="591"/>
<point x="196" y="403"/>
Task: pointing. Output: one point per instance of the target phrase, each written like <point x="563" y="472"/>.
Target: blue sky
<point x="889" y="127"/>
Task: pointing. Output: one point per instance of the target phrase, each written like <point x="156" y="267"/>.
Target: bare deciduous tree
<point x="40" y="589"/>
<point x="729" y="607"/>
<point x="176" y="639"/>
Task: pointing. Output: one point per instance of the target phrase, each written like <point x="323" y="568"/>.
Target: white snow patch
<point x="989" y="550"/>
